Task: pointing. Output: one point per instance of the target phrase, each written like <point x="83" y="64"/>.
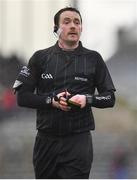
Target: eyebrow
<point x="67" y="18"/>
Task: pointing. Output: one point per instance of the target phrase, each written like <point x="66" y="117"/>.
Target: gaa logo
<point x="46" y="76"/>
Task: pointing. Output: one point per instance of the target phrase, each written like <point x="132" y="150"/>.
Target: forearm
<point x="103" y="100"/>
<point x="31" y="100"/>
<point x="26" y="98"/>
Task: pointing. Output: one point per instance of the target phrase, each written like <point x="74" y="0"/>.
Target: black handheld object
<point x="73" y="105"/>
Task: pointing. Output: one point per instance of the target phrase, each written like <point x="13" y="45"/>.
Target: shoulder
<point x="92" y="54"/>
<point x="95" y="58"/>
<point x="40" y="55"/>
<point x="43" y="52"/>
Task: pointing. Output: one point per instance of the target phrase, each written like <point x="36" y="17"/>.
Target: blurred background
<point x="109" y="27"/>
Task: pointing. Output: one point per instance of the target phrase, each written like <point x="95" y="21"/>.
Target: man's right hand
<point x="62" y="102"/>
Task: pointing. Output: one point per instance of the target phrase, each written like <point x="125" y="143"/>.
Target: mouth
<point x="72" y="33"/>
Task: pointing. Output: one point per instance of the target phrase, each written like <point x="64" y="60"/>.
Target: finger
<point x="62" y="99"/>
<point x="62" y="94"/>
<point x="64" y="108"/>
<point x="67" y="93"/>
<point x="63" y="103"/>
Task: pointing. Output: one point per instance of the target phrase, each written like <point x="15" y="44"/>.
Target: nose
<point x="72" y="25"/>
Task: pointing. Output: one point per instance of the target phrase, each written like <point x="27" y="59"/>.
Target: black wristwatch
<point x="89" y="99"/>
<point x="48" y="100"/>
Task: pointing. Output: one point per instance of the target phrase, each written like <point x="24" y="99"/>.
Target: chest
<point x="67" y="70"/>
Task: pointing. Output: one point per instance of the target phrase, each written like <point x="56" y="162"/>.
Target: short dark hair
<point x="57" y="15"/>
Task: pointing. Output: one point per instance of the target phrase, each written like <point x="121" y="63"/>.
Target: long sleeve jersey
<point x="52" y="70"/>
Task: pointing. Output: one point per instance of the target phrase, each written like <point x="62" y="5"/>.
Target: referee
<point x="60" y="83"/>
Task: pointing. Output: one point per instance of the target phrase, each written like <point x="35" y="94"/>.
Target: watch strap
<point x="89" y="99"/>
<point x="48" y="100"/>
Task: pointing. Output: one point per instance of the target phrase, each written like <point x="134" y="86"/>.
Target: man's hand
<point x="80" y="99"/>
<point x="62" y="103"/>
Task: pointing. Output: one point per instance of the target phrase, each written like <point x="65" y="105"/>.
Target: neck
<point x="68" y="46"/>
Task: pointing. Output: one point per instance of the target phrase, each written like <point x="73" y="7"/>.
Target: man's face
<point x="71" y="27"/>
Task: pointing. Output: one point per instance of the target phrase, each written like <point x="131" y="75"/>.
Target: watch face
<point x="48" y="100"/>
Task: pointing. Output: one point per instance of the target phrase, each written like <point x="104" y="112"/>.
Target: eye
<point x="66" y="22"/>
<point x="77" y="22"/>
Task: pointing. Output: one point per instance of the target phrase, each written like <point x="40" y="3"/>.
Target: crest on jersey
<point x="25" y="71"/>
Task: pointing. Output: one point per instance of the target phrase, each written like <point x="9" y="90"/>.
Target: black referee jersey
<point x="52" y="70"/>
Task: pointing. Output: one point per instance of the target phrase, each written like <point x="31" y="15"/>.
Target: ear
<point x="55" y="29"/>
<point x="81" y="28"/>
<point x="59" y="31"/>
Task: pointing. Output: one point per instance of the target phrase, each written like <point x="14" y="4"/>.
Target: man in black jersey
<point x="60" y="83"/>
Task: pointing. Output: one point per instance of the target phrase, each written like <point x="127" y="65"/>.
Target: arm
<point x="26" y="83"/>
<point x="26" y="98"/>
<point x="103" y="100"/>
<point x="104" y="85"/>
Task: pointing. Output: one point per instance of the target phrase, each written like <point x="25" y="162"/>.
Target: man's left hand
<point x="80" y="99"/>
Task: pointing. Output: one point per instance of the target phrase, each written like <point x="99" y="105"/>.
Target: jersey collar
<point x="78" y="50"/>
